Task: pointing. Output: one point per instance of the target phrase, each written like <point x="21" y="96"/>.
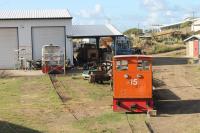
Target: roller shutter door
<point x="44" y="36"/>
<point x="8" y="48"/>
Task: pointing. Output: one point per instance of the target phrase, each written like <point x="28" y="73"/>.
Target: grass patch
<point x="162" y="48"/>
<point x="28" y="102"/>
<point x="33" y="103"/>
<point x="98" y="92"/>
<point x="110" y="122"/>
<point x="100" y="123"/>
<point x="78" y="88"/>
<point x="10" y="92"/>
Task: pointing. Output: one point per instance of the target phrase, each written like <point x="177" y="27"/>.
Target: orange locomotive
<point x="132" y="82"/>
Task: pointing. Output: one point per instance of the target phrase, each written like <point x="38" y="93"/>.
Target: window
<point x="143" y="65"/>
<point x="122" y="65"/>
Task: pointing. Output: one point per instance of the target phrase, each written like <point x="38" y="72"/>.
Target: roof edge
<point x="95" y="36"/>
<point x="193" y="36"/>
<point x="113" y="29"/>
<point x="22" y="14"/>
<point x="35" y="18"/>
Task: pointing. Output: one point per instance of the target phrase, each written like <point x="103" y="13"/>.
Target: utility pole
<point x="138" y="28"/>
<point x="193" y="13"/>
<point x="193" y="16"/>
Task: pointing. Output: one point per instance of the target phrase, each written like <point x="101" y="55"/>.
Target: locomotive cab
<point x="132" y="83"/>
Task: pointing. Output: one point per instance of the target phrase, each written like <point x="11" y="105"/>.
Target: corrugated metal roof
<point x="193" y="36"/>
<point x="181" y="22"/>
<point x="34" y="14"/>
<point x="93" y="31"/>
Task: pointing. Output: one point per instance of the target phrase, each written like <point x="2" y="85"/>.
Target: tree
<point x="134" y="31"/>
<point x="186" y="24"/>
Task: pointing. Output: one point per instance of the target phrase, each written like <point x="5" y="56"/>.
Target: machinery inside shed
<point x="100" y="50"/>
<point x="87" y="52"/>
<point x="103" y="41"/>
<point x="94" y="55"/>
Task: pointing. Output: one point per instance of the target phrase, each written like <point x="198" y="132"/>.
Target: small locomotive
<point x="52" y="59"/>
<point x="132" y="83"/>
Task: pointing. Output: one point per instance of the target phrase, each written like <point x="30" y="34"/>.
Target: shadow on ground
<point x="6" y="127"/>
<point x="178" y="107"/>
<point x="158" y="82"/>
<point x="160" y="93"/>
<point x="167" y="102"/>
<point x="159" y="61"/>
<point x="165" y="94"/>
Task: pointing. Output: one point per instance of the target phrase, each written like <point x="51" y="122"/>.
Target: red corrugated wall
<point x="196" y="48"/>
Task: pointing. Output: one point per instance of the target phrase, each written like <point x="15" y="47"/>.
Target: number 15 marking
<point x="134" y="82"/>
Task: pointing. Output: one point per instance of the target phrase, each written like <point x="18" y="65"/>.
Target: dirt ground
<point x="31" y="105"/>
<point x="177" y="99"/>
<point x="19" y="73"/>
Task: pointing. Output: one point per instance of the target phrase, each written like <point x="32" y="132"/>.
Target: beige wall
<point x="190" y="48"/>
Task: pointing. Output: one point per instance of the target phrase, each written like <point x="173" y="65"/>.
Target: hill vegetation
<point x="133" y="31"/>
<point x="154" y="45"/>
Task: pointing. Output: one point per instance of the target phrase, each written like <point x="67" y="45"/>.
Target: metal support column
<point x="114" y="42"/>
<point x="97" y="43"/>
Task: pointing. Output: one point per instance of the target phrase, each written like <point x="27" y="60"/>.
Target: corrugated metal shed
<point x="191" y="37"/>
<point x="34" y="14"/>
<point x="93" y="31"/>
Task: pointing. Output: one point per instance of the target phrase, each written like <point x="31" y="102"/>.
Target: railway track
<point x="60" y="90"/>
<point x="129" y="123"/>
<point x="147" y="123"/>
<point x="149" y="127"/>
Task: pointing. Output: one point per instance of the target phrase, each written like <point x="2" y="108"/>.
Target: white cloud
<point x="162" y="12"/>
<point x="153" y="18"/>
<point x="153" y="7"/>
<point x="86" y="13"/>
<point x="186" y="15"/>
<point x="98" y="8"/>
<point x="168" y="13"/>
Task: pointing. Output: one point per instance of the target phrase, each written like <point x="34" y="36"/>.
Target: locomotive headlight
<point x="126" y="76"/>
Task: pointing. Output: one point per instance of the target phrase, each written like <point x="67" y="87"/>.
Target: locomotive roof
<point x="136" y="56"/>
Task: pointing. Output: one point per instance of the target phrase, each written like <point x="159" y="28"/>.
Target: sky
<point x="123" y="14"/>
